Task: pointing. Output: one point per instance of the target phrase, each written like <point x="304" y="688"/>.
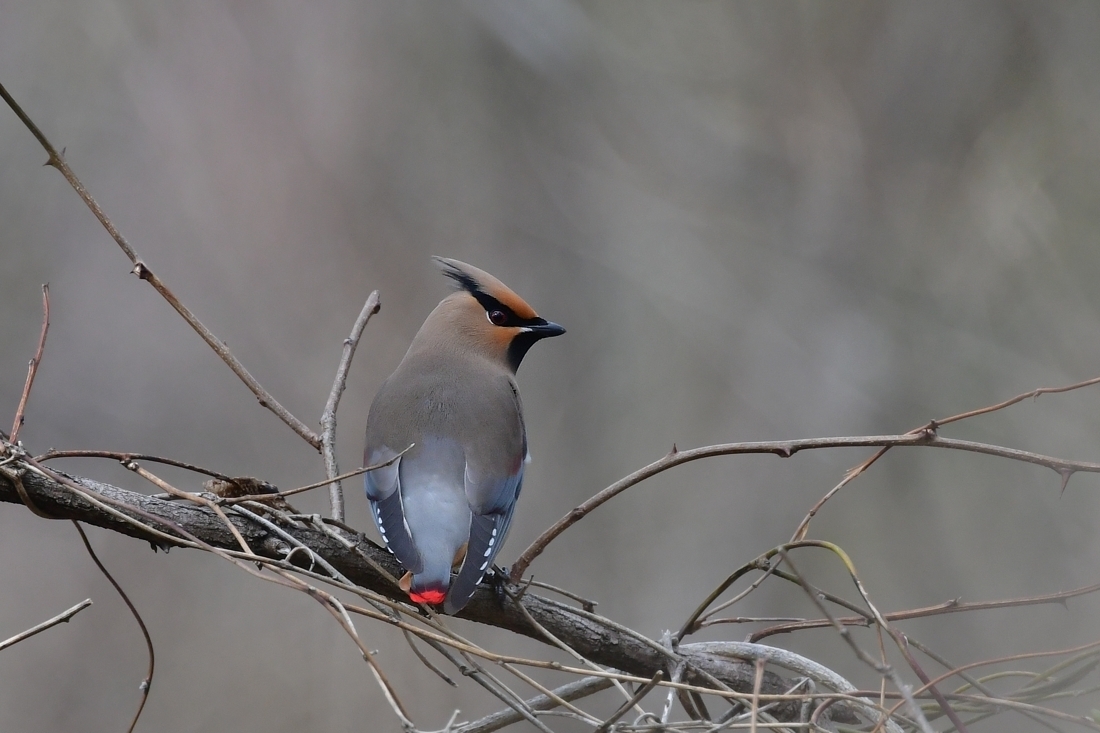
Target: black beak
<point x="533" y="330"/>
<point x="547" y="329"/>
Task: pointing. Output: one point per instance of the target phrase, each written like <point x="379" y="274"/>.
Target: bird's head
<point x="489" y="316"/>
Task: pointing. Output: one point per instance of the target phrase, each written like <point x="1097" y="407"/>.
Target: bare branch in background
<point x="141" y="269"/>
<point x="122" y="457"/>
<point x="786" y="449"/>
<point x="60" y="618"/>
<point x="146" y="683"/>
<point x="328" y="418"/>
<point x="32" y="368"/>
<point x="1064" y="471"/>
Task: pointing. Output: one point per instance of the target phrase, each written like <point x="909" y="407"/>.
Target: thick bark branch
<point x="597" y="638"/>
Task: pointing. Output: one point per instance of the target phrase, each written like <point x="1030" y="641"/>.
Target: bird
<point x="447" y="501"/>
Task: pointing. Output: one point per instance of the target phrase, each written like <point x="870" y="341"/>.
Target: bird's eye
<point x="497" y="318"/>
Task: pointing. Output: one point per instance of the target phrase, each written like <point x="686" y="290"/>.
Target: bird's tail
<point x="421" y="590"/>
<point x="426" y="587"/>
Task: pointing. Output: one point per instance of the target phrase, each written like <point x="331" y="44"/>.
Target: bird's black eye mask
<point x="501" y="315"/>
<point x="497" y="313"/>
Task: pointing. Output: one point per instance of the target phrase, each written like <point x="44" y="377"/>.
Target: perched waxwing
<point x="447" y="502"/>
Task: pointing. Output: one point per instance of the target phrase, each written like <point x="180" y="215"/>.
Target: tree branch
<point x="142" y="270"/>
<point x="58" y="619"/>
<point x="328" y="417"/>
<point x="597" y="638"/>
<point x="785" y="449"/>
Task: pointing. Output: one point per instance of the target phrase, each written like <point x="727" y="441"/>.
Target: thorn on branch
<point x="143" y="272"/>
<point x="55" y="158"/>
<point x="1065" y="473"/>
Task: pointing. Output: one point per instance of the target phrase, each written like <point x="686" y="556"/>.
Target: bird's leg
<point x="498" y="581"/>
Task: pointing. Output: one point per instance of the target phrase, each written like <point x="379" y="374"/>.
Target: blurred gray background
<point x="757" y="220"/>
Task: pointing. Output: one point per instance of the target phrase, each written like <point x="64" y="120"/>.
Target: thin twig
<point x="200" y="500"/>
<point x="977" y="684"/>
<point x="882" y="625"/>
<point x="146" y="683"/>
<point x="336" y="608"/>
<point x="1018" y="398"/>
<point x="502" y="692"/>
<point x="296" y="543"/>
<point x="569" y="692"/>
<point x="986" y="703"/>
<point x="1003" y="660"/>
<point x="881" y="668"/>
<point x="491" y="683"/>
<point x="903" y="646"/>
<point x="32" y="367"/>
<point x="411" y="641"/>
<point x="570" y="707"/>
<point x="317" y="485"/>
<point x="58" y="619"/>
<point x="761" y="563"/>
<point x="123" y="457"/>
<point x="808" y="668"/>
<point x="951" y="606"/>
<point x="141" y="269"/>
<point x="328" y="417"/>
<point x="634" y="700"/>
<point x="756" y="680"/>
<point x="586" y="604"/>
<point x="561" y="644"/>
<point x="786" y="449"/>
<point x="1021" y="706"/>
<point x="355" y="547"/>
<point x="803" y="526"/>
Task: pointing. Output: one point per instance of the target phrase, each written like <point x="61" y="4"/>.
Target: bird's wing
<point x="492" y="503"/>
<point x="384" y="491"/>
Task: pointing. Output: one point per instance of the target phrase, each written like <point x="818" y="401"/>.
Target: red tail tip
<point x="431" y="597"/>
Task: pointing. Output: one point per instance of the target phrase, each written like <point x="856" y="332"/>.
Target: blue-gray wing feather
<point x="489" y="522"/>
<point x="384" y="491"/>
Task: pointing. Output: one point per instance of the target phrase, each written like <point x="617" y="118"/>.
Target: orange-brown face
<point x="511" y="326"/>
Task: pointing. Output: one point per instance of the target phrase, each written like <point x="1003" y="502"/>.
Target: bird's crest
<point x="490" y="292"/>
